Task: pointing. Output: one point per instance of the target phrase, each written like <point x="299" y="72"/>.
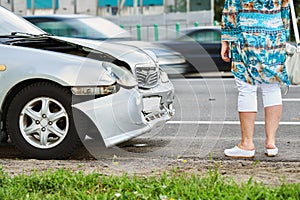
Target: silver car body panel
<point x="118" y="117"/>
<point x="130" y="54"/>
<point x="21" y="65"/>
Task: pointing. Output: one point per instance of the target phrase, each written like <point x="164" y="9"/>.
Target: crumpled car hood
<point x="116" y="49"/>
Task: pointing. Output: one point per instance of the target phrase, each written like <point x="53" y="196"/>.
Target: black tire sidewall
<point x="42" y="89"/>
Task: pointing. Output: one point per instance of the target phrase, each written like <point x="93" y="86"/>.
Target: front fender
<point x="26" y="63"/>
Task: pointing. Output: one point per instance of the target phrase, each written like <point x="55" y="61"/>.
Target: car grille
<point x="147" y="76"/>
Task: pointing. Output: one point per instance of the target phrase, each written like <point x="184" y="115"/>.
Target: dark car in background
<point x="97" y="28"/>
<point x="201" y="47"/>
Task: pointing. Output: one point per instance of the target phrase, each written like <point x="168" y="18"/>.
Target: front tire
<point x="40" y="122"/>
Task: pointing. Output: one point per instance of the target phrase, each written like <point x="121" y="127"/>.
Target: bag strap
<point x="294" y="20"/>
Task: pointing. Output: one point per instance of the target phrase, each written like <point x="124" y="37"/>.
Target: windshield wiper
<point x="17" y="37"/>
<point x="24" y="35"/>
<point x="29" y="34"/>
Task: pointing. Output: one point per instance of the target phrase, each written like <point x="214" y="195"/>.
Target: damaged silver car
<point x="52" y="87"/>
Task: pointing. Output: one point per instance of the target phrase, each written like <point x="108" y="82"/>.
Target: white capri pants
<point x="247" y="97"/>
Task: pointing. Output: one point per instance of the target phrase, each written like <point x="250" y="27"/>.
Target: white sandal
<point x="271" y="152"/>
<point x="236" y="152"/>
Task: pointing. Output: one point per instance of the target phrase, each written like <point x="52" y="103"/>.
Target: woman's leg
<point x="273" y="109"/>
<point x="247" y="107"/>
<point x="272" y="119"/>
<point x="247" y="120"/>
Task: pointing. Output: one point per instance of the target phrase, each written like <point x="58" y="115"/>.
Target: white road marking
<point x="291" y="99"/>
<point x="224" y="122"/>
<point x="229" y="122"/>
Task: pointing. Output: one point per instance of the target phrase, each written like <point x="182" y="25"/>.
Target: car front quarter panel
<point x="67" y="70"/>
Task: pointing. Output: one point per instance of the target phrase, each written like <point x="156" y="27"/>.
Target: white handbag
<point x="292" y="62"/>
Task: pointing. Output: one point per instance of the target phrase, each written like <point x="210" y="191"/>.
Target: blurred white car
<point x="54" y="90"/>
<point x="97" y="28"/>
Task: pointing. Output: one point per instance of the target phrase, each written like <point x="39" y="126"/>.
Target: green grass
<point x="64" y="184"/>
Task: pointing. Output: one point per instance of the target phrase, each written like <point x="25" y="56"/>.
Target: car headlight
<point x="95" y="91"/>
<point x="122" y="76"/>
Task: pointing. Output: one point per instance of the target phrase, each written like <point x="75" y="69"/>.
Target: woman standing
<point x="254" y="36"/>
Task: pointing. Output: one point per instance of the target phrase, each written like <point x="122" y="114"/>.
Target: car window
<point x="60" y="28"/>
<point x="204" y="36"/>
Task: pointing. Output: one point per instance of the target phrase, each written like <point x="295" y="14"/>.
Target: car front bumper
<point x="127" y="113"/>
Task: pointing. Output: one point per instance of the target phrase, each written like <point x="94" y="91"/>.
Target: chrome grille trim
<point x="147" y="76"/>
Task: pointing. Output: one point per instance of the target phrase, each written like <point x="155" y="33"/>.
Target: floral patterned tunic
<point x="257" y="31"/>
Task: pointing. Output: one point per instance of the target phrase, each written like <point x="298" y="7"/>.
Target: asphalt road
<point x="205" y="123"/>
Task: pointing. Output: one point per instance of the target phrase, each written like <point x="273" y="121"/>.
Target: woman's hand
<point x="225" y="51"/>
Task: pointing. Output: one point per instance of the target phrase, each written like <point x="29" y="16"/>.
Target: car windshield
<point x="10" y="23"/>
<point x="86" y="27"/>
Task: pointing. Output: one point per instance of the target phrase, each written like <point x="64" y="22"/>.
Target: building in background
<point x="17" y="6"/>
<point x="106" y="7"/>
